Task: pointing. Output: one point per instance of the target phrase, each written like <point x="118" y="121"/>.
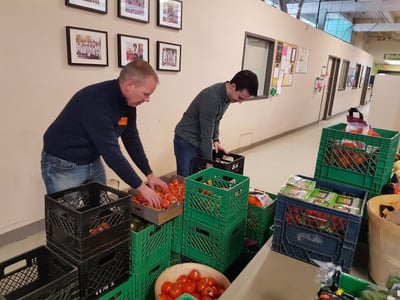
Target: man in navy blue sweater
<point x="88" y="128"/>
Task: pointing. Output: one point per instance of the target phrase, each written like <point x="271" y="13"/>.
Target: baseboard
<point x="22" y="232"/>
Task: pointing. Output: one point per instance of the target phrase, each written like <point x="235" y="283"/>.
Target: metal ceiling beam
<point x="376" y="27"/>
<point x="346" y="6"/>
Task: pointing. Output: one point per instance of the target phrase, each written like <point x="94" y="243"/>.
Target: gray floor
<point x="268" y="167"/>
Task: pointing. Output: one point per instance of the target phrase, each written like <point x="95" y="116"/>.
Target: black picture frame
<point x="169" y="56"/>
<point x="98" y="6"/>
<point x="135" y="12"/>
<point x="132" y="47"/>
<point x="169" y="13"/>
<point x="86" y="47"/>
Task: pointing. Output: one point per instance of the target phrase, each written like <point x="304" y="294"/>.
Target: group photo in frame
<point x="168" y="56"/>
<point x="131" y="48"/>
<point x="99" y="6"/>
<point x="86" y="46"/>
<point x="136" y="10"/>
<point x="169" y="13"/>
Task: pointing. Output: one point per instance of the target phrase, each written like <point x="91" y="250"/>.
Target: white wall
<point x="36" y="82"/>
<point x="384" y="111"/>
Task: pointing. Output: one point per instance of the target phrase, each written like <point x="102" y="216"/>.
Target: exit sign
<point x="391" y="56"/>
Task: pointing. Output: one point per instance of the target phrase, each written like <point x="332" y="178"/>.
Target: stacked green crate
<point x="150" y="255"/>
<point x="360" y="160"/>
<point x="215" y="211"/>
<point x="259" y="221"/>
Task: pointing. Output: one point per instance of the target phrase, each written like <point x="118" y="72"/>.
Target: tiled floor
<point x="268" y="167"/>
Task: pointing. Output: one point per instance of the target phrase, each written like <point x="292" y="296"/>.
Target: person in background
<point x="197" y="133"/>
<point x="89" y="128"/>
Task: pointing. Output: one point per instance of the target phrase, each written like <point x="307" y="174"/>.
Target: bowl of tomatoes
<point x="190" y="281"/>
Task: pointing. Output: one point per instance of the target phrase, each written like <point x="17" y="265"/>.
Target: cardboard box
<point x="158" y="216"/>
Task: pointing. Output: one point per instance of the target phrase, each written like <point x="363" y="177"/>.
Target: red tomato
<point x="209" y="291"/>
<point x="206" y="298"/>
<point x="182" y="278"/>
<point x="189" y="286"/>
<point x="175" y="181"/>
<point x="210" y="281"/>
<point x="163" y="296"/>
<point x="166" y="287"/>
<point x="196" y="295"/>
<point x="201" y="284"/>
<point x="194" y="274"/>
<point x="175" y="291"/>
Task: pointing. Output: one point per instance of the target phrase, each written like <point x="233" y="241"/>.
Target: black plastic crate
<point x="103" y="272"/>
<point x="83" y="220"/>
<point x="38" y="274"/>
<point x="230" y="162"/>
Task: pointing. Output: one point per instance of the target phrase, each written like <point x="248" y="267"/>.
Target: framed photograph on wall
<point x="99" y="6"/>
<point x="136" y="10"/>
<point x="169" y="13"/>
<point x="131" y="48"/>
<point x="86" y="47"/>
<point x="168" y="56"/>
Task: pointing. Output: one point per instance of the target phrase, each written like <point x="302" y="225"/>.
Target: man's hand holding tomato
<point x="148" y="190"/>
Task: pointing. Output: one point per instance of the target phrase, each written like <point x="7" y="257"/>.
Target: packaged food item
<point x="348" y="204"/>
<point x="301" y="183"/>
<point x="321" y="197"/>
<point x="294" y="192"/>
<point x="261" y="196"/>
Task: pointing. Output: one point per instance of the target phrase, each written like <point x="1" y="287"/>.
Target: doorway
<point x="365" y="86"/>
<point x="328" y="96"/>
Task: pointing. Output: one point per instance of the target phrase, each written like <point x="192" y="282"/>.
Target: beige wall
<point x="36" y="82"/>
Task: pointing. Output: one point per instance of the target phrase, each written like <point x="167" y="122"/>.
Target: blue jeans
<point x="59" y="174"/>
<point x="184" y="154"/>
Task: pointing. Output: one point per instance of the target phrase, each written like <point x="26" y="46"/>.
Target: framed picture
<point x="170" y="13"/>
<point x="99" y="6"/>
<point x="86" y="47"/>
<point x="131" y="48"/>
<point x="168" y="56"/>
<point x="137" y="10"/>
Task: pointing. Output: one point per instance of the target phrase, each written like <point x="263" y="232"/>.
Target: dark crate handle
<point x="106" y="259"/>
<point x="15" y="267"/>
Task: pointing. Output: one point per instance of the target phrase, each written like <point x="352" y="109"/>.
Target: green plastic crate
<point x="145" y="279"/>
<point x="186" y="296"/>
<point x="216" y="248"/>
<point x="218" y="204"/>
<point x="368" y="166"/>
<point x="176" y="233"/>
<point x="259" y="221"/>
<point x="352" y="285"/>
<point x="149" y="244"/>
<point x="123" y="291"/>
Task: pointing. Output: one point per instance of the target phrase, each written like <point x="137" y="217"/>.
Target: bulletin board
<point x="284" y="63"/>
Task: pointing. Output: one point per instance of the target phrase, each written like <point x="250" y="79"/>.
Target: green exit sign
<point x="391" y="56"/>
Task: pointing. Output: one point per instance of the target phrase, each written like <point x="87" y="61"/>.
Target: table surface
<point x="274" y="276"/>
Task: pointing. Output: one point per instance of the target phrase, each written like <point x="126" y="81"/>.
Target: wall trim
<point x="22" y="232"/>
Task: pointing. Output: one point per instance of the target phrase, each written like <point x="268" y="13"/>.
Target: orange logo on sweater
<point x="123" y="121"/>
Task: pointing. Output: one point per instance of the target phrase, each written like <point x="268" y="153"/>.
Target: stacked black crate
<point x="89" y="226"/>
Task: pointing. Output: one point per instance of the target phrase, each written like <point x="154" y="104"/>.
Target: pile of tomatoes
<point x="175" y="193"/>
<point x="193" y="283"/>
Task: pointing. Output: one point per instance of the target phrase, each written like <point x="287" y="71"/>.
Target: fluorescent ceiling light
<point x="392" y="62"/>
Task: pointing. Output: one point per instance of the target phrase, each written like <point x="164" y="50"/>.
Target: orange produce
<point x="175" y="193"/>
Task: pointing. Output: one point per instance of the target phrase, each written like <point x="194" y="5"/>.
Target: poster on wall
<point x="302" y="60"/>
<point x="285" y="59"/>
